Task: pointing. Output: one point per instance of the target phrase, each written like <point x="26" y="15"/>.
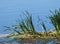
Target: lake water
<point x="21" y="41"/>
<point x="10" y="11"/>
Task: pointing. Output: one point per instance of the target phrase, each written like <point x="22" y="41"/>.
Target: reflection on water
<point x="21" y="41"/>
<point x="53" y="41"/>
<point x="9" y="41"/>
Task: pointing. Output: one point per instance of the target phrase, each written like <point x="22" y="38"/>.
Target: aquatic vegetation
<point x="25" y="28"/>
<point x="43" y="26"/>
<point x="55" y="19"/>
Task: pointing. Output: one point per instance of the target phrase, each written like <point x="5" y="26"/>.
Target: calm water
<point x="20" y="41"/>
<point x="11" y="9"/>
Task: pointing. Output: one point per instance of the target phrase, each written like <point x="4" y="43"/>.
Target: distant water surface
<point x="11" y="9"/>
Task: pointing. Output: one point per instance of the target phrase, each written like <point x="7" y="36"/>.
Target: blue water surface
<point x="11" y="9"/>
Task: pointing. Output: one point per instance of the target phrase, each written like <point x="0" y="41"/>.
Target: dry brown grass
<point x="51" y="34"/>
